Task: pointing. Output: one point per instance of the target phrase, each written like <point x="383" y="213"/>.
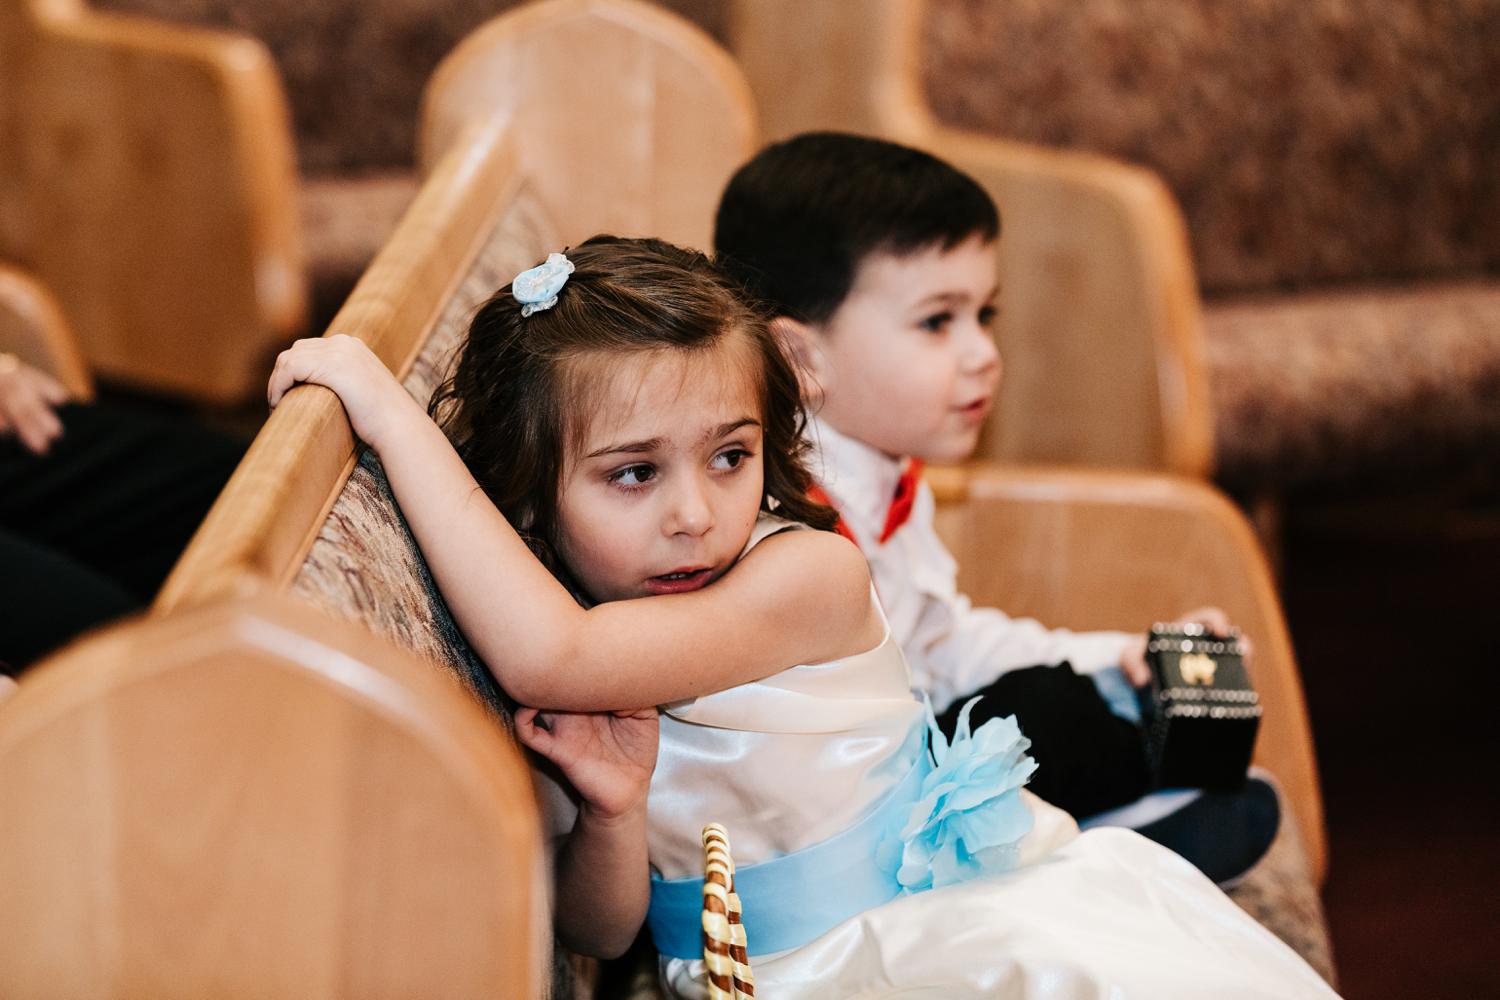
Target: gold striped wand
<point x="724" y="955"/>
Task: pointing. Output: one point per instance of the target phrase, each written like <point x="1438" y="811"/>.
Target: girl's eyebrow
<point x="731" y="427"/>
<point x="632" y="447"/>
<point x="652" y="444"/>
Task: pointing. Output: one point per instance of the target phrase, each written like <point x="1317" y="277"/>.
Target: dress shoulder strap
<point x="767" y="525"/>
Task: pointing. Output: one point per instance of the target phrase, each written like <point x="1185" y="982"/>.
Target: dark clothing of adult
<point x="89" y="530"/>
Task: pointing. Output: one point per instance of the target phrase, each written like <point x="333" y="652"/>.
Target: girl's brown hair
<point x="514" y="403"/>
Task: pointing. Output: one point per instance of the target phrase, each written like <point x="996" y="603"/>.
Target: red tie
<point x="906" y="495"/>
<point x="901" y="502"/>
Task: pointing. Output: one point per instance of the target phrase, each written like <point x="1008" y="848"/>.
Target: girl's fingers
<point x="532" y="730"/>
<point x="293" y="365"/>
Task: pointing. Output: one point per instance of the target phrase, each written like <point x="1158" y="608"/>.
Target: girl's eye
<point x="633" y="475"/>
<point x="937" y="322"/>
<point x="730" y="459"/>
<point x="987" y="316"/>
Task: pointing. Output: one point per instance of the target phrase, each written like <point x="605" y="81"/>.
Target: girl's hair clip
<point x="536" y="289"/>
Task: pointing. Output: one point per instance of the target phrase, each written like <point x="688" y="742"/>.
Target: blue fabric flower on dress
<point x="969" y="817"/>
<point x="536" y="289"/>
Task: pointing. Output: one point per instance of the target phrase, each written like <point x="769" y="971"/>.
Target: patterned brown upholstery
<point x="1308" y="142"/>
<point x="1312" y="145"/>
<point x="1374" y="385"/>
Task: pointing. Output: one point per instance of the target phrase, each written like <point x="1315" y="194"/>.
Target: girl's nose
<point x="691" y="513"/>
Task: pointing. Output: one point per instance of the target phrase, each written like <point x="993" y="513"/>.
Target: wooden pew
<point x="1099" y="325"/>
<point x="1153" y="547"/>
<point x="249" y="799"/>
<point x="512" y="172"/>
<point x="304" y="514"/>
<point x="148" y="180"/>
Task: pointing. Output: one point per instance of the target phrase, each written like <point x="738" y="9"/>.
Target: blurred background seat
<point x="147" y="179"/>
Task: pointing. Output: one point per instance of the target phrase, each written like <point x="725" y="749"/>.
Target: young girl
<point x="620" y="527"/>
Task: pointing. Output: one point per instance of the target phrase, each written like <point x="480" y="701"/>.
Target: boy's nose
<point x="981" y="353"/>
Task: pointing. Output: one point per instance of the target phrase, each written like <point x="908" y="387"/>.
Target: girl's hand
<point x="372" y="397"/>
<point x="1133" y="660"/>
<point x="607" y="756"/>
<point x="28" y="398"/>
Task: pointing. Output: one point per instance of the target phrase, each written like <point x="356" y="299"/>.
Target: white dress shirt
<point x="952" y="647"/>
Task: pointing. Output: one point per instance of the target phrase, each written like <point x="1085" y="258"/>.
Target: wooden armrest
<point x="33" y="328"/>
<point x="293" y="806"/>
<point x="1106" y="550"/>
<point x="1099" y="324"/>
<point x="159" y="186"/>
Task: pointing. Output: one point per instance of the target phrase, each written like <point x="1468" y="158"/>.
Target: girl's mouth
<point x="678" y="581"/>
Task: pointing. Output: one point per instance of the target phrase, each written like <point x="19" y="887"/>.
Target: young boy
<point x="877" y="263"/>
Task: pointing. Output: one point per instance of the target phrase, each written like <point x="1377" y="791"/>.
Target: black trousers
<point x="1088" y="758"/>
<point x="90" y="530"/>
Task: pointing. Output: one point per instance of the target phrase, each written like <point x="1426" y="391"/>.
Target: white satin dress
<point x="790" y="760"/>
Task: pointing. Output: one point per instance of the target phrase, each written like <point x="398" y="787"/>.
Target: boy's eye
<point x="937" y="322"/>
<point x="730" y="459"/>
<point x="633" y="475"/>
<point x="987" y="316"/>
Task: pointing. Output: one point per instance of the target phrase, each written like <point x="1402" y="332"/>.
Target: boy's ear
<point x="801" y="343"/>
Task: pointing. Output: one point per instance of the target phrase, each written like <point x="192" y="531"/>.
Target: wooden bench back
<point x="1098" y="550"/>
<point x="627" y="119"/>
<point x="494" y="201"/>
<point x="249" y="799"/>
<point x="148" y="180"/>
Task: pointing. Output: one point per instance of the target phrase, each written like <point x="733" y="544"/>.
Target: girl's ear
<point x="802" y="343"/>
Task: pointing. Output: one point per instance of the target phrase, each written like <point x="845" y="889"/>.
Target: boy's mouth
<point x="976" y="410"/>
<point x="679" y="581"/>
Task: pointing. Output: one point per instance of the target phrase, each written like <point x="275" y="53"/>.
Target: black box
<point x="1205" y="713"/>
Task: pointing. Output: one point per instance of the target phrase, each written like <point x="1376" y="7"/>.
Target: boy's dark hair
<point x="512" y="404"/>
<point x="795" y="222"/>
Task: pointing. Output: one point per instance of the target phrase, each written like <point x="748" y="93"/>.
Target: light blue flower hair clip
<point x="536" y="289"/>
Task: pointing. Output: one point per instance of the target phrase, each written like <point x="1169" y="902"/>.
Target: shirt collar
<point x="859" y="478"/>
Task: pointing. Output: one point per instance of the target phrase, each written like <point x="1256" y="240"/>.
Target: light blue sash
<point x="791" y="900"/>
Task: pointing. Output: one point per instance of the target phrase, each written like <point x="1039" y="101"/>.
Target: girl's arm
<point x="801" y="597"/>
<point x="602" y="876"/>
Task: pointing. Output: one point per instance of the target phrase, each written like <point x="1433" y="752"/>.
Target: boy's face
<point x="907" y="364"/>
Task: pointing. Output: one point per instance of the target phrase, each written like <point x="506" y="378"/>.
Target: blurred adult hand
<point x="28" y="404"/>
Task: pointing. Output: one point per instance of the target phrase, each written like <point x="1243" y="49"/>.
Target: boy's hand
<point x="1133" y="659"/>
<point x="372" y="397"/>
<point x="28" y="399"/>
<point x="607" y="756"/>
